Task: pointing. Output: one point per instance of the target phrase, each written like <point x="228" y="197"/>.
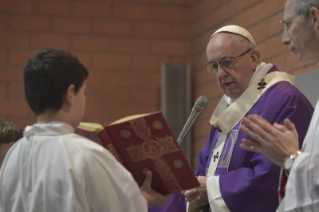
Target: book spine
<point x="108" y="143"/>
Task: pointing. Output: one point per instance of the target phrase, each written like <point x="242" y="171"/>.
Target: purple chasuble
<point x="249" y="181"/>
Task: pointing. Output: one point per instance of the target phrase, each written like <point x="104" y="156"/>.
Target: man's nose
<point x="221" y="72"/>
<point x="286" y="38"/>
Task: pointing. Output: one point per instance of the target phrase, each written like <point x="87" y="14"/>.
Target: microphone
<point x="199" y="107"/>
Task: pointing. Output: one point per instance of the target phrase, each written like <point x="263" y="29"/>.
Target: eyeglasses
<point x="287" y="23"/>
<point x="226" y="63"/>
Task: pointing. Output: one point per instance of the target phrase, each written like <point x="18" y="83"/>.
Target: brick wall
<point x="261" y="18"/>
<point x="123" y="43"/>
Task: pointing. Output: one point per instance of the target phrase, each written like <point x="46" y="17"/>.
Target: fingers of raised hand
<point x="261" y="123"/>
<point x="280" y="127"/>
<point x="250" y="145"/>
<point x="254" y="133"/>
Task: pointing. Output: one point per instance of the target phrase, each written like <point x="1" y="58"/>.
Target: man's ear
<point x="314" y="15"/>
<point x="69" y="95"/>
<point x="255" y="58"/>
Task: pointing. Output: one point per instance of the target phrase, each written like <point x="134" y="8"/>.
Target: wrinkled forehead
<point x="223" y="41"/>
<point x="223" y="45"/>
<point x="289" y="12"/>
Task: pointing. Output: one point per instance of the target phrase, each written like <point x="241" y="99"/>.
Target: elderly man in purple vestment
<point x="231" y="178"/>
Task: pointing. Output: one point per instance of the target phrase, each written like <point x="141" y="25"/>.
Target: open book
<point x="145" y="142"/>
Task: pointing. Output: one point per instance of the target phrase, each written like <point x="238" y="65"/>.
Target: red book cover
<point x="147" y="143"/>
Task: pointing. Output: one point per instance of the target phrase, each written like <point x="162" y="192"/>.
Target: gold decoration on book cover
<point x="154" y="150"/>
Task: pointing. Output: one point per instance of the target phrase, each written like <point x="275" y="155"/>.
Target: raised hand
<point x="276" y="141"/>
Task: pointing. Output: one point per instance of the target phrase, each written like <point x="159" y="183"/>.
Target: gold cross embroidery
<point x="262" y="84"/>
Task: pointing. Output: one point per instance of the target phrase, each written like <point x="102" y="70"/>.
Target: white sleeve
<point x="111" y="187"/>
<point x="215" y="199"/>
<point x="302" y="190"/>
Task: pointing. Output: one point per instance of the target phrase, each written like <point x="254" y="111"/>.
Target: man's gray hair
<point x="302" y="7"/>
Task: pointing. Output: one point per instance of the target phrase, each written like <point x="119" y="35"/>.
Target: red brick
<point x="30" y="23"/>
<point x="152" y="30"/>
<point x="85" y="59"/>
<point x="156" y="81"/>
<point x="13" y="108"/>
<point x="131" y="12"/>
<point x="211" y="20"/>
<point x="306" y="69"/>
<point x="110" y="27"/>
<point x="203" y="7"/>
<point x="3" y="91"/>
<point x="4" y="20"/>
<point x="20" y="57"/>
<point x="181" y="31"/>
<point x="22" y="122"/>
<point x="16" y="92"/>
<point x="12" y="39"/>
<point x="11" y="74"/>
<point x="182" y="2"/>
<point x="51" y="7"/>
<point x="91" y="9"/>
<point x="199" y="44"/>
<point x="210" y="90"/>
<point x="91" y="43"/>
<point x="3" y="56"/>
<point x="20" y="6"/>
<point x="153" y="1"/>
<point x="111" y="95"/>
<point x="50" y="41"/>
<point x="123" y="111"/>
<point x="146" y="97"/>
<point x="202" y="77"/>
<point x="181" y="59"/>
<point x="200" y="61"/>
<point x="98" y="78"/>
<point x="276" y="47"/>
<point x="292" y="63"/>
<point x="279" y="61"/>
<point x="131" y="80"/>
<point x="148" y="63"/>
<point x="131" y="45"/>
<point x="71" y="25"/>
<point x="170" y="47"/>
<point x="96" y="111"/>
<point x="260" y="11"/>
<point x="171" y="13"/>
<point x="111" y="61"/>
<point x="266" y="28"/>
<point x="30" y="112"/>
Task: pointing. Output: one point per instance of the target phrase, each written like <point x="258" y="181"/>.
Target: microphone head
<point x="201" y="103"/>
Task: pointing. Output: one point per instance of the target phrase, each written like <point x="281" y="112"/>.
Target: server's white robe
<point x="52" y="169"/>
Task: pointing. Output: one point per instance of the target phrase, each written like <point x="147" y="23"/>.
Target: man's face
<point x="79" y="104"/>
<point x="232" y="81"/>
<point x="300" y="34"/>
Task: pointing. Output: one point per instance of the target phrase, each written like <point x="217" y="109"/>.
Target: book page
<point x="93" y="127"/>
<point x="128" y="118"/>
